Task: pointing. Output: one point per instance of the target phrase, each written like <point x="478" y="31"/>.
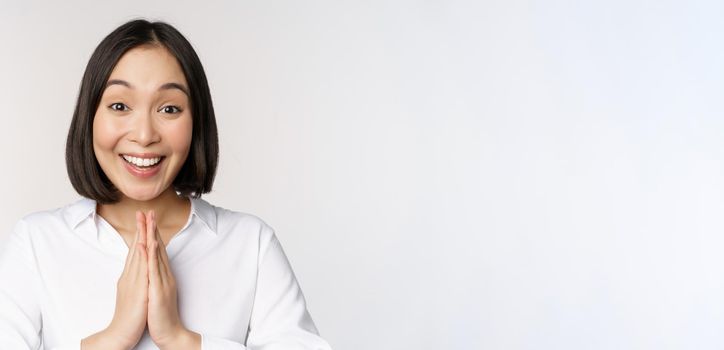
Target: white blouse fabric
<point x="59" y="271"/>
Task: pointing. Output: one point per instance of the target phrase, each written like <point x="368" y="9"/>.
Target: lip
<point x="138" y="172"/>
<point x="142" y="155"/>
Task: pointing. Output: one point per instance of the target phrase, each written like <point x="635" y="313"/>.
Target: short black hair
<point x="196" y="176"/>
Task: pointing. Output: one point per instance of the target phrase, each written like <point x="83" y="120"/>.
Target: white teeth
<point x="145" y="162"/>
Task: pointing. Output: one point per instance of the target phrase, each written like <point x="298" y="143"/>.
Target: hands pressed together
<point x="146" y="294"/>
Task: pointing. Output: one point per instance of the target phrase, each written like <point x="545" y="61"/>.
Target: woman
<point x="142" y="261"/>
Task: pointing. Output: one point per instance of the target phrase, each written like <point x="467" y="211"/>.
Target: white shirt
<point x="59" y="271"/>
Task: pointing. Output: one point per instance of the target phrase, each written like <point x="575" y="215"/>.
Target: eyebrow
<point x="166" y="86"/>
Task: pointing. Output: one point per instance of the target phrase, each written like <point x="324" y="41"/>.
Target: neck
<point x="168" y="206"/>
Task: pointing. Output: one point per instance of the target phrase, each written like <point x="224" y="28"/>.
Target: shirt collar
<point x="205" y="212"/>
<point x="79" y="211"/>
<point x="86" y="208"/>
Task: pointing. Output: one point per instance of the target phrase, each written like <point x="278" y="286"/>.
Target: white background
<point x="441" y="174"/>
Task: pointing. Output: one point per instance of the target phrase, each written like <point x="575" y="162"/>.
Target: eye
<point x="171" y="109"/>
<point x="118" y="106"/>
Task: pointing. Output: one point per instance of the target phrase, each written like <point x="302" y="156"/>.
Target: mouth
<point x="142" y="166"/>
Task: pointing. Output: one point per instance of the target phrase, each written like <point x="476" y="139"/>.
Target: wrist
<point x="184" y="340"/>
<point x="107" y="340"/>
<point x="117" y="341"/>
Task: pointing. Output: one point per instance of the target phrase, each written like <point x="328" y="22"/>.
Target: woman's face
<point x="142" y="127"/>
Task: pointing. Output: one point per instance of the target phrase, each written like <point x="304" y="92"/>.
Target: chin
<point x="141" y="195"/>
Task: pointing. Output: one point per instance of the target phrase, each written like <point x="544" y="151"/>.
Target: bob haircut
<point x="196" y="176"/>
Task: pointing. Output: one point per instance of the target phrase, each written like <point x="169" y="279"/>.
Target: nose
<point x="143" y="130"/>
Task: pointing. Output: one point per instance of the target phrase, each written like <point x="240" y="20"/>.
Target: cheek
<point x="180" y="137"/>
<point x="104" y="135"/>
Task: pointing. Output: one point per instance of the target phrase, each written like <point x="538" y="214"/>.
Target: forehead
<point x="147" y="67"/>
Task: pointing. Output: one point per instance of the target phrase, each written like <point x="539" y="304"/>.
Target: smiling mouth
<point x="143" y="163"/>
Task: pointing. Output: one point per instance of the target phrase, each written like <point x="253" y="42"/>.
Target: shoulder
<point x="227" y="221"/>
<point x="68" y="215"/>
<point x="52" y="222"/>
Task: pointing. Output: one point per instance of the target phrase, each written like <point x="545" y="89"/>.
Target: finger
<point x="143" y="264"/>
<point x="131" y="257"/>
<point x="143" y="244"/>
<point x="140" y="261"/>
<point x="136" y="237"/>
<point x="141" y="226"/>
<point x="164" y="266"/>
<point x="154" y="279"/>
<point x="153" y="263"/>
<point x="148" y="228"/>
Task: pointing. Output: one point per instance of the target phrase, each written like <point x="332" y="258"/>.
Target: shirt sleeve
<point x="280" y="319"/>
<point x="20" y="317"/>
